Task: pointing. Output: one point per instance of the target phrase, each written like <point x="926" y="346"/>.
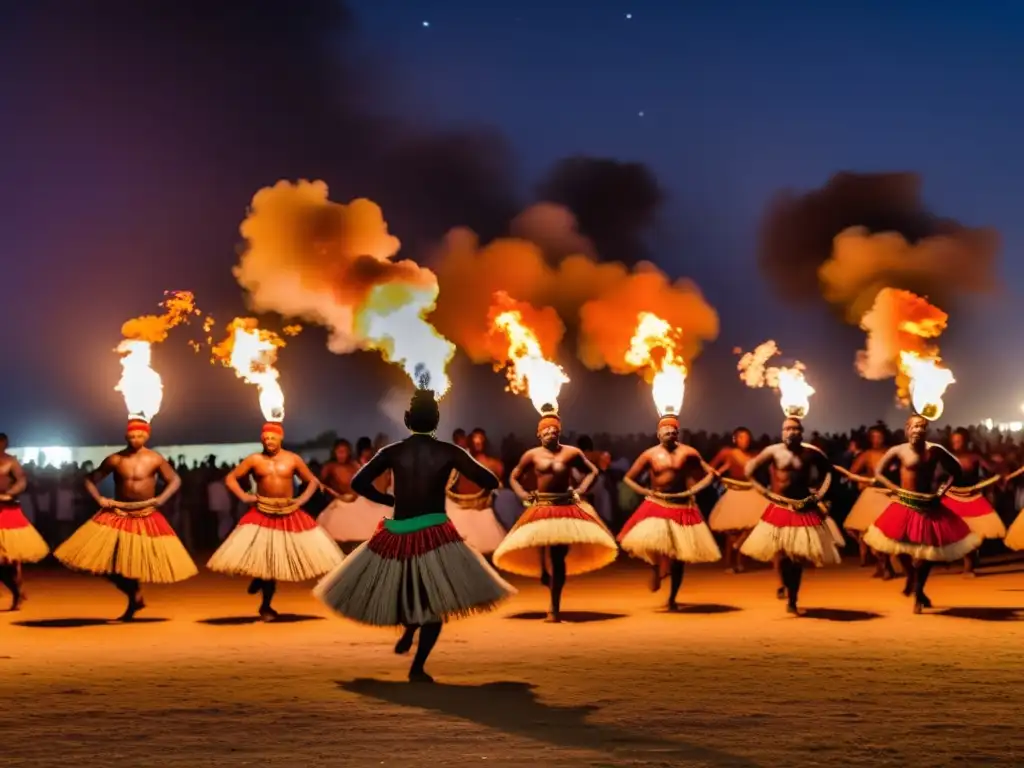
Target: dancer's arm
<point x="20" y="482"/>
<point x="473" y="470"/>
<point x="171" y="482"/>
<point x="524" y="465"/>
<point x="638" y="468"/>
<point x="582" y="463"/>
<point x="97" y="476"/>
<point x="952" y="466"/>
<point x="231" y="481"/>
<point x="768" y="454"/>
<point x="824" y="467"/>
<point x="306" y="475"/>
<point x="362" y="481"/>
<point x="891" y="457"/>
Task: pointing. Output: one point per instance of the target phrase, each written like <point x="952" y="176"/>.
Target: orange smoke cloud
<point x="537" y="271"/>
<point x="178" y="306"/>
<point x="545" y="324"/>
<point x="794" y="391"/>
<point x="862" y="264"/>
<point x="899" y="322"/>
<point x="332" y="264"/>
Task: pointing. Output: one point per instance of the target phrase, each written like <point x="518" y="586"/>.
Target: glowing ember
<point x="140" y="385"/>
<point x="794" y="391"/>
<point x="928" y="383"/>
<point x="252" y="351"/>
<point x="527" y="369"/>
<point x="393" y="321"/>
<point x="654" y="349"/>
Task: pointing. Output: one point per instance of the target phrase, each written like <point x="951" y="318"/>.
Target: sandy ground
<point x="731" y="681"/>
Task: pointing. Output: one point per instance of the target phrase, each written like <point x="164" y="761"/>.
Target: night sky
<point x="133" y="140"/>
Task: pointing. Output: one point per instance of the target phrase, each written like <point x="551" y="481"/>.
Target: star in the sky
<point x="629" y="15"/>
<point x="640" y="113"/>
<point x="426" y="23"/>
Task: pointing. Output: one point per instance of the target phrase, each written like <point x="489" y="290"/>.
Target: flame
<point x="794" y="391"/>
<point x="252" y="351"/>
<point x="526" y="367"/>
<point x="392" y="320"/>
<point x="928" y="383"/>
<point x="654" y="348"/>
<point x="140" y="385"/>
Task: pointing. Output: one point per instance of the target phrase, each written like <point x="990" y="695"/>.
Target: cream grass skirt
<point x="19" y="541"/>
<point x="658" y="530"/>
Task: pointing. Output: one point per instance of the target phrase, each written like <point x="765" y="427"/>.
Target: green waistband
<point x="414" y="524"/>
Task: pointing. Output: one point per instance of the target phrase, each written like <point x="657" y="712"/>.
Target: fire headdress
<point x="794" y="391"/>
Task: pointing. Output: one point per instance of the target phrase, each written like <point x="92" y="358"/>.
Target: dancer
<point x="275" y="540"/>
<point x="416" y="572"/>
<point x="20" y="542"/>
<point x="558" y="535"/>
<point x="470" y="507"/>
<point x="793" y="532"/>
<point x="349" y="518"/>
<point x="969" y="502"/>
<point x="668" y="530"/>
<point x="739" y="508"/>
<point x="129" y="540"/>
<point x="871" y="502"/>
<point x="917" y="525"/>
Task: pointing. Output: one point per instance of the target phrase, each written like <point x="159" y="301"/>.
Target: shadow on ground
<point x="513" y="708"/>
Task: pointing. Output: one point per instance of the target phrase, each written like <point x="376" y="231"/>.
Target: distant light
<point x="629" y="15"/>
<point x="640" y="113"/>
<point x="426" y="23"/>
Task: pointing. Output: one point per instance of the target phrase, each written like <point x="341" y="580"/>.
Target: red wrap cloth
<point x="976" y="506"/>
<point x="685" y="516"/>
<point x="293" y="522"/>
<point x="784" y="517"/>
<point x="937" y="527"/>
<point x="407" y="546"/>
<point x="11" y="516"/>
<point x="153" y="524"/>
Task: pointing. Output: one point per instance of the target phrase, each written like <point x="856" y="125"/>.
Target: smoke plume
<point x="861" y="233"/>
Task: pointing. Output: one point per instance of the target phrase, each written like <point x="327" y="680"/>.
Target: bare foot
<point x="419" y="676"/>
<point x="268" y="614"/>
<point x="18" y="600"/>
<point x="793" y="610"/>
<point x="673" y="606"/>
<point x="255" y="586"/>
<point x="553" y="618"/>
<point x="970" y="575"/>
<point x="780" y="593"/>
<point x="134" y="606"/>
<point x="404" y="643"/>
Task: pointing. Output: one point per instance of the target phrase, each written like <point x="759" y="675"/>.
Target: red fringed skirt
<point x="20" y="542"/>
<point x="658" y="529"/>
<point x="935" y="534"/>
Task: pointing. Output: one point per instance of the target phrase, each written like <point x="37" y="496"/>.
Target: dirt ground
<point x="730" y="681"/>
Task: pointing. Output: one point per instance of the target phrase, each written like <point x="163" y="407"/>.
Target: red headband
<point x="138" y="425"/>
<point x="275" y="427"/>
<point x="669" y="418"/>
<point x="549" y="420"/>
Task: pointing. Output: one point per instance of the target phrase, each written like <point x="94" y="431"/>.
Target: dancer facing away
<point x="129" y="540"/>
<point x="871" y="502"/>
<point x="558" y="535"/>
<point x="668" y="530"/>
<point x="793" y="532"/>
<point x="19" y="541"/>
<point x="917" y="526"/>
<point x="970" y="502"/>
<point x="275" y="540"/>
<point x="349" y="518"/>
<point x="470" y="507"/>
<point x="416" y="572"/>
<point x="739" y="508"/>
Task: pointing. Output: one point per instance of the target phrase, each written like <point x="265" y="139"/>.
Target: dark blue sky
<point x="122" y="181"/>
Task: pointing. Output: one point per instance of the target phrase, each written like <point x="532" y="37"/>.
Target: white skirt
<point x="352" y="520"/>
<point x="478" y="527"/>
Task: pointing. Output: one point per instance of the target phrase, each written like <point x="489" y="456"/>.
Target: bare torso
<point x="135" y="474"/>
<point x="867" y="461"/>
<point x="553" y="468"/>
<point x="275" y="475"/>
<point x="919" y="467"/>
<point x="971" y="465"/>
<point x="732" y="463"/>
<point x="792" y="469"/>
<point x="338" y="477"/>
<point x="465" y="486"/>
<point x="673" y="471"/>
<point x="8" y="467"/>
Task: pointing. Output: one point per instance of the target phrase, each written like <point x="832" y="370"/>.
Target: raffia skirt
<point x="934" y="533"/>
<point x="659" y="529"/>
<point x="975" y="510"/>
<point x="288" y="547"/>
<point x="737" y="510"/>
<point x="869" y="505"/>
<point x="354" y="520"/>
<point x="476" y="522"/>
<point x="575" y="524"/>
<point x="799" y="535"/>
<point x="19" y="541"/>
<point x="137" y="545"/>
<point x="412" y="572"/>
<point x="1015" y="535"/>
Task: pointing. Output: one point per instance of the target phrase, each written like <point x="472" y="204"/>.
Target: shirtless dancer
<point x="275" y="540"/>
<point x="336" y="475"/>
<point x="871" y="502"/>
<point x="415" y="572"/>
<point x="19" y="541"/>
<point x="792" y="532"/>
<point x="557" y="527"/>
<point x="971" y="504"/>
<point x="349" y="518"/>
<point x="470" y="507"/>
<point x="739" y="508"/>
<point x="129" y="541"/>
<point x="668" y="530"/>
<point x="917" y="526"/>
